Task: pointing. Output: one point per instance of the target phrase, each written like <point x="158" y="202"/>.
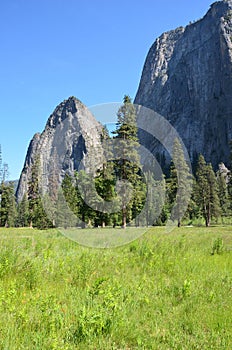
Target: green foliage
<point x="127" y="164"/>
<point x="179" y="185"/>
<point x="105" y="182"/>
<point x="117" y="182"/>
<point x="217" y="246"/>
<point x="4" y="171"/>
<point x="63" y="212"/>
<point x="230" y="180"/>
<point x="23" y="212"/>
<point x="37" y="215"/>
<point x="206" y="191"/>
<point x="7" y="205"/>
<point x="7" y="197"/>
<point x="163" y="291"/>
<point x="155" y="198"/>
<point x="85" y="190"/>
<point x="223" y="195"/>
<point x="69" y="190"/>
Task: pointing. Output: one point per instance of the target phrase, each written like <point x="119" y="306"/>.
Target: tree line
<point x="135" y="195"/>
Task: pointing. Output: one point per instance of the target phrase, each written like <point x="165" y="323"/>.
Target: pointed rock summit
<point x="71" y="136"/>
<point x="187" y="78"/>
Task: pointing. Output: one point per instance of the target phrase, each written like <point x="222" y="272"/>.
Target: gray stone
<point x="70" y="141"/>
<point x="224" y="172"/>
<point x="187" y="78"/>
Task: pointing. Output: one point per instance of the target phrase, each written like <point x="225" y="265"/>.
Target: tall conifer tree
<point x="206" y="191"/>
<point x="8" y="205"/>
<point x="127" y="165"/>
<point x="37" y="214"/>
<point x="179" y="184"/>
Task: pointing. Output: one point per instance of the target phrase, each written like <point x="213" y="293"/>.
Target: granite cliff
<point x="187" y="78"/>
<point x="71" y="137"/>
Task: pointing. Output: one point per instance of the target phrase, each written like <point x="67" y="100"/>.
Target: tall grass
<point x="163" y="291"/>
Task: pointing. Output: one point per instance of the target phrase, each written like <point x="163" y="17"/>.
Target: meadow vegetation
<point x="162" y="291"/>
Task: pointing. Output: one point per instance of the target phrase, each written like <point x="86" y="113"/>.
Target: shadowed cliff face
<point x="71" y="140"/>
<point x="187" y="78"/>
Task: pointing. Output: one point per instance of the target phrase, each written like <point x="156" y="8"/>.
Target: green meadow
<point x="162" y="291"/>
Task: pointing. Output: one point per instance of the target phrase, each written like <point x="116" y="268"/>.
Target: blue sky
<point x="92" y="49"/>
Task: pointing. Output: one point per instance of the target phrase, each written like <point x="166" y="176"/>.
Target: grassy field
<point x="163" y="291"/>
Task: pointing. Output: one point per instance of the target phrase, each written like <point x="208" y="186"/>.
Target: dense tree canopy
<point x="83" y="199"/>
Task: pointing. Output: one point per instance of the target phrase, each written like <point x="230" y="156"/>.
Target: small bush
<point x="217" y="247"/>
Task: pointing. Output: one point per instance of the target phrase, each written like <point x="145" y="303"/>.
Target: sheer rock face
<point x="224" y="172"/>
<point x="187" y="78"/>
<point x="70" y="141"/>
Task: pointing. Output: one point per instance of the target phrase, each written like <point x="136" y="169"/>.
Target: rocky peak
<point x="71" y="106"/>
<point x="218" y="8"/>
<point x="187" y="78"/>
<point x="71" y="136"/>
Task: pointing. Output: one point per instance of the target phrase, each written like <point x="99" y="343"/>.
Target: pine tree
<point x="23" y="212"/>
<point x="85" y="191"/>
<point x="105" y="182"/>
<point x="223" y="195"/>
<point x="65" y="217"/>
<point x="155" y="190"/>
<point x="230" y="180"/>
<point x="33" y="192"/>
<point x="49" y="186"/>
<point x="79" y="195"/>
<point x="138" y="200"/>
<point x="127" y="165"/>
<point x="37" y="214"/>
<point x="4" y="171"/>
<point x="7" y="197"/>
<point x="206" y="191"/>
<point x="171" y="186"/>
<point x="53" y="177"/>
<point x="70" y="194"/>
<point x="193" y="208"/>
<point x="179" y="184"/>
<point x="8" y="205"/>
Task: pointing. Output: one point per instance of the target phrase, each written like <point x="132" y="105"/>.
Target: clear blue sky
<point x="92" y="49"/>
